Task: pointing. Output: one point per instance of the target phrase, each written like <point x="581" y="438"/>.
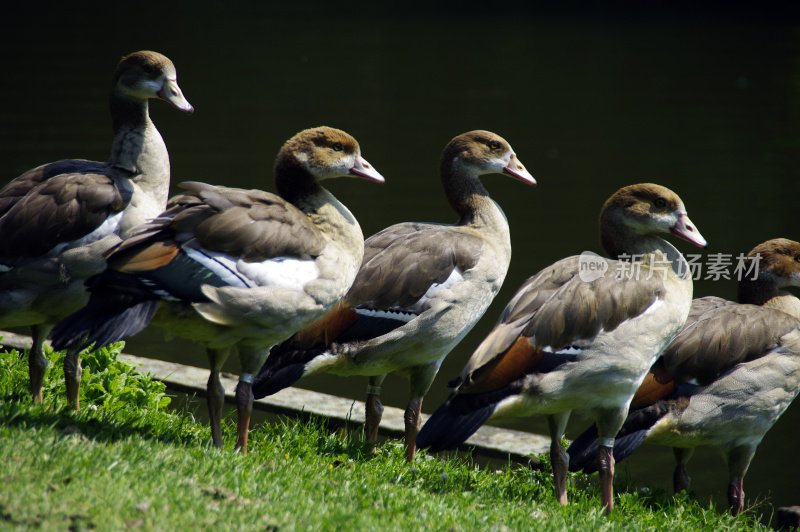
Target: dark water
<point x="591" y="98"/>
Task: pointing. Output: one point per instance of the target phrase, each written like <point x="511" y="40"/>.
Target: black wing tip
<point x="584" y="457"/>
<point x="625" y="446"/>
<point x="582" y="451"/>
<point x="451" y="425"/>
<point x="71" y="332"/>
<point x="461" y="415"/>
<point x="270" y="381"/>
<point x="284" y="366"/>
<point x="95" y="326"/>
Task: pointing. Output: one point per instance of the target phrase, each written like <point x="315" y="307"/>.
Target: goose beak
<point x="362" y="168"/>
<point x="517" y="170"/>
<point x="172" y="94"/>
<point x="687" y="231"/>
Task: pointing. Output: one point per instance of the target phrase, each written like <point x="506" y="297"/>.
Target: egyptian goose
<point x="725" y="379"/>
<point x="228" y="267"/>
<point x="56" y="220"/>
<point x="574" y="337"/>
<point x="420" y="289"/>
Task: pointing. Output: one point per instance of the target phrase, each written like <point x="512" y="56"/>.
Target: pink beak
<point x="687" y="231"/>
<point x="363" y="169"/>
<point x="517" y="170"/>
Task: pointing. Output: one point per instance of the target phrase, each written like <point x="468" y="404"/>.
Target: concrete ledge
<point x="787" y="518"/>
<point x="490" y="441"/>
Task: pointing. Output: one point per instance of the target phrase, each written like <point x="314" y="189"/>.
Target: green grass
<point x="126" y="461"/>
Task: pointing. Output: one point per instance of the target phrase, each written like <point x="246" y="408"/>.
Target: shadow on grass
<point x="340" y="444"/>
<point x="658" y="500"/>
<point x="117" y="402"/>
<point x="96" y="424"/>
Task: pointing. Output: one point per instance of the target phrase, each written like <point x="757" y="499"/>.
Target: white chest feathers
<point x="283" y="272"/>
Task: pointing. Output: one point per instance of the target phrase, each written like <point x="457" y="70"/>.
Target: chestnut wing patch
<point x="223" y="237"/>
<point x="323" y="331"/>
<point x="146" y="258"/>
<point x="657" y="384"/>
<point x="552" y="312"/>
<point x="659" y="381"/>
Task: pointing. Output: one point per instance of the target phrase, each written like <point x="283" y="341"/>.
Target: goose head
<point x="146" y="74"/>
<point x="643" y="210"/>
<point x="482" y="152"/>
<point x="778" y="261"/>
<point x="325" y="152"/>
<point x="317" y="154"/>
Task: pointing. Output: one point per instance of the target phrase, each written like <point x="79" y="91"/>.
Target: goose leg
<point x="680" y="478"/>
<point x="244" y="407"/>
<point x="374" y="409"/>
<point x="420" y="380"/>
<point x="558" y="456"/>
<point x="251" y="361"/>
<point x="605" y="465"/>
<point x="738" y="462"/>
<point x="411" y="419"/>
<point x="215" y="393"/>
<point x="72" y="377"/>
<point x="37" y="363"/>
<point x="736" y="496"/>
<point x="608" y="424"/>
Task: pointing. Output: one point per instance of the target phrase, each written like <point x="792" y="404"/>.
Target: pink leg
<point x="605" y="465"/>
<point x="559" y="459"/>
<point x="37" y="363"/>
<point x="420" y="379"/>
<point x="411" y="419"/>
<point x="680" y="478"/>
<point x="738" y="462"/>
<point x="251" y="360"/>
<point x="215" y="394"/>
<point x="736" y="496"/>
<point x="215" y="399"/>
<point x="374" y="413"/>
<point x="374" y="410"/>
<point x="72" y="377"/>
<point x="244" y="403"/>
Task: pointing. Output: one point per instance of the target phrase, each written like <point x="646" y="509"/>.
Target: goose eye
<point x="494" y="145"/>
<point x="148" y="68"/>
<point x="660" y="203"/>
<point x="336" y="146"/>
<point x="797" y="258"/>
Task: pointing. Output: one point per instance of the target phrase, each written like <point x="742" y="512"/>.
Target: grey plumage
<point x="58" y="219"/>
<point x="724" y="380"/>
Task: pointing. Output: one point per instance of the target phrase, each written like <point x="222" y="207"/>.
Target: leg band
<point x="606" y="442"/>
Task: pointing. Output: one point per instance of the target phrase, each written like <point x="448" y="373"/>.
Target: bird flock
<point x="93" y="252"/>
